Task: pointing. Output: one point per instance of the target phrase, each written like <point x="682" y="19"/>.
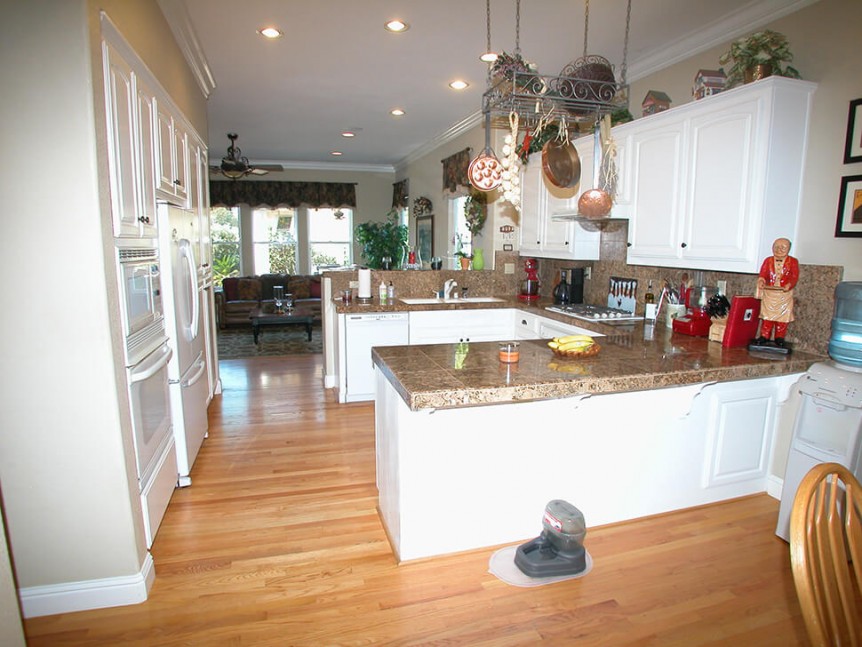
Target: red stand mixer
<point x="530" y="285"/>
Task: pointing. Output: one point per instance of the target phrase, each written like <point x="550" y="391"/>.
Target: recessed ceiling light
<point x="397" y="112"/>
<point x="347" y="133"/>
<point x="396" y="26"/>
<point x="458" y="84"/>
<point x="337" y="153"/>
<point x="270" y="32"/>
<point x="488" y="57"/>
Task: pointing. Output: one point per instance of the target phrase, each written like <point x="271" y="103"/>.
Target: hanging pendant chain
<point x="488" y="39"/>
<point x="586" y="24"/>
<point x="517" y="27"/>
<point x="624" y="68"/>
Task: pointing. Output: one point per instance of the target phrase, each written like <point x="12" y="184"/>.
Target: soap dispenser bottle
<point x="383" y="293"/>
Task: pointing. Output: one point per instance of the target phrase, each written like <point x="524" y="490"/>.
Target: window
<point x="274" y="241"/>
<point x="224" y="225"/>
<point x="461" y="237"/>
<point x="330" y="238"/>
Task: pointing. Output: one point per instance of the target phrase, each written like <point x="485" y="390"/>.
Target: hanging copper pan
<point x="561" y="163"/>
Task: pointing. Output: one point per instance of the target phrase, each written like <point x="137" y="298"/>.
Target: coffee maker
<point x="576" y="285"/>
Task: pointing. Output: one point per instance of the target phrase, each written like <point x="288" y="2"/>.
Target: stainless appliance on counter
<point x="603" y="314"/>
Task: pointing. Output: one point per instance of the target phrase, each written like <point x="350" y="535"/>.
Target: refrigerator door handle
<point x="143" y="372"/>
<point x="189" y="258"/>
<point x="202" y="365"/>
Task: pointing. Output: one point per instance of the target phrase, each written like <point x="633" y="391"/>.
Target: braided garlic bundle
<point x="511" y="165"/>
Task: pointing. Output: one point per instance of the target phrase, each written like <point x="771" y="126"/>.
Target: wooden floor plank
<point x="278" y="542"/>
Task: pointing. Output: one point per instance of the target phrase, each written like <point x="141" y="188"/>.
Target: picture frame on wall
<point x="853" y="147"/>
<point x="849" y="223"/>
<point x="425" y="237"/>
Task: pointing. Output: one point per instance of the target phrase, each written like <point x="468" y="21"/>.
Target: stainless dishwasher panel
<point x="362" y="333"/>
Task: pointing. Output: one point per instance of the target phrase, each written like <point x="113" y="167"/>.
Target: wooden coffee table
<point x="266" y="316"/>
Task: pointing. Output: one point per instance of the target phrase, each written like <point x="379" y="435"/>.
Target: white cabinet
<point x="531" y="326"/>
<point x="172" y="161"/>
<point x="129" y="110"/>
<point x="526" y="325"/>
<point x="357" y="335"/>
<point x="452" y="326"/>
<point x="715" y="181"/>
<point x="541" y="234"/>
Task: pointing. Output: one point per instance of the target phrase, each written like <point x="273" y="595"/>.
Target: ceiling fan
<point x="235" y="166"/>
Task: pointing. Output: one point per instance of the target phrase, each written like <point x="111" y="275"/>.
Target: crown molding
<point x="739" y="23"/>
<point x="177" y="16"/>
<point x="446" y="136"/>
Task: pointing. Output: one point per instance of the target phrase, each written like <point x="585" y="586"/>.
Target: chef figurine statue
<point x="778" y="276"/>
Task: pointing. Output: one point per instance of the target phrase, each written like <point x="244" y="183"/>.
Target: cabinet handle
<point x="628" y="244"/>
<point x="145" y="219"/>
<point x="538" y="242"/>
<point x="683" y="245"/>
<point x="178" y="183"/>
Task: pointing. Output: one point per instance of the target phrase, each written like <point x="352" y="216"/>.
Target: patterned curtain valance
<point x="455" y="167"/>
<point x="401" y="194"/>
<point x="283" y="194"/>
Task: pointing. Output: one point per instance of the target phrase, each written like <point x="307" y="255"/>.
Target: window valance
<point x="455" y="179"/>
<point x="283" y="194"/>
<point x="401" y="193"/>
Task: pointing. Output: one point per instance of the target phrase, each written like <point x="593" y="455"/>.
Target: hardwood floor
<point x="278" y="542"/>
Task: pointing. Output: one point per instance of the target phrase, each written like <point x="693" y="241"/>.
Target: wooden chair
<point x="825" y="536"/>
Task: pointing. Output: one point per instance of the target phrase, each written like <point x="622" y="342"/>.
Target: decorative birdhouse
<point x="708" y="82"/>
<point x="654" y="102"/>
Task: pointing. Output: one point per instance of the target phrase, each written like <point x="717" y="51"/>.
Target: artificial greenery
<point x="760" y="48"/>
<point x="379" y="239"/>
<point x="475" y="212"/>
<point x="507" y="65"/>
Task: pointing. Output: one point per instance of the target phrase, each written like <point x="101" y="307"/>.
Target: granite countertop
<point x="633" y="357"/>
<point x="399" y="306"/>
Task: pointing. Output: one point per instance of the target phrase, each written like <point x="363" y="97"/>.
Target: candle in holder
<point x="509" y="352"/>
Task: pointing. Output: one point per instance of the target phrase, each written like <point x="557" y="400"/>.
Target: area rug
<point x="237" y="343"/>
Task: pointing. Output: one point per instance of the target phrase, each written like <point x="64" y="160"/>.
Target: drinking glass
<point x="278" y="297"/>
<point x="436" y="263"/>
<point x="386" y="263"/>
<point x="288" y="301"/>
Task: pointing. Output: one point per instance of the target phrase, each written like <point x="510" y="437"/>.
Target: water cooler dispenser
<point x="828" y="426"/>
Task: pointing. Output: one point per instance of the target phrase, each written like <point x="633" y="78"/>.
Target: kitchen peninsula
<point x="470" y="449"/>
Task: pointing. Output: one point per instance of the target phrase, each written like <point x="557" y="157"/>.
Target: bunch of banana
<point x="578" y="343"/>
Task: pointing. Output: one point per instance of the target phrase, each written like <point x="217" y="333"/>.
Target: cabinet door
<point x="181" y="162"/>
<point x="121" y="143"/>
<point x="532" y="206"/>
<point x="657" y="181"/>
<point x="452" y="326"/>
<point x="719" y="210"/>
<point x="147" y="158"/>
<point x="165" y="158"/>
<point x="557" y="234"/>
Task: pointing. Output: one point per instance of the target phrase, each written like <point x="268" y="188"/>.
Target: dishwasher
<point x="361" y="334"/>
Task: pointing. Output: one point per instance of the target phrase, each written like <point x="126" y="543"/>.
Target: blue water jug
<point x="845" y="343"/>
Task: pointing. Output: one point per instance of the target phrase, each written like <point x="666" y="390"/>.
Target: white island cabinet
<point x="464" y="478"/>
<point x="712" y="183"/>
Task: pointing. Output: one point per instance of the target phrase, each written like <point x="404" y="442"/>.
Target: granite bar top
<point x="633" y="357"/>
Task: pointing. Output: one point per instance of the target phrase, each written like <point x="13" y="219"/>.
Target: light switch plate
<point x="354" y="284"/>
<point x="722" y="287"/>
<point x="509" y="268"/>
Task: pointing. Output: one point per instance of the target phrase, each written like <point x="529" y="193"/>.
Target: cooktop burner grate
<point x="603" y="314"/>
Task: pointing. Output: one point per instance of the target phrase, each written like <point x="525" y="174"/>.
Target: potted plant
<point x="379" y="239"/>
<point x="757" y="56"/>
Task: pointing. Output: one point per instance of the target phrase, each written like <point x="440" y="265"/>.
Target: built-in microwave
<point x="140" y="301"/>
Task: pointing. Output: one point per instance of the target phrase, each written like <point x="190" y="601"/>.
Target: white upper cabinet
<point x="715" y="181"/>
<point x="541" y="234"/>
<point x="173" y="159"/>
<point x="128" y="109"/>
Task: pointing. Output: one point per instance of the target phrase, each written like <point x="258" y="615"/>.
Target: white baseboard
<point x="91" y="594"/>
<point x="774" y="486"/>
<point x="329" y="381"/>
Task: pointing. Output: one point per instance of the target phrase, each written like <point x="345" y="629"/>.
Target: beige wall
<point x="824" y="38"/>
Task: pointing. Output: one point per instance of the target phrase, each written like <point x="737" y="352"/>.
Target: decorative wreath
<point x="422" y="207"/>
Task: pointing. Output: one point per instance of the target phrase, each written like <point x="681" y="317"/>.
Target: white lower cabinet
<point x="452" y="326"/>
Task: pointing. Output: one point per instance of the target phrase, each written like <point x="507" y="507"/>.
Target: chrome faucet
<point x="448" y="286"/>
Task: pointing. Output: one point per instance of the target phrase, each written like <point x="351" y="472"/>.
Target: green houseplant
<point x="379" y="239"/>
<point x="767" y="50"/>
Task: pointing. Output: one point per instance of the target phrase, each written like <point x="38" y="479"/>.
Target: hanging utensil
<point x="561" y="163"/>
<point x="485" y="171"/>
<point x="596" y="203"/>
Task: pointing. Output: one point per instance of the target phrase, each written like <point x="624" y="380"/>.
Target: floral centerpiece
<point x="766" y="48"/>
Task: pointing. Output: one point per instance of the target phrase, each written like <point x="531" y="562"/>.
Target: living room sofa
<point x="242" y="294"/>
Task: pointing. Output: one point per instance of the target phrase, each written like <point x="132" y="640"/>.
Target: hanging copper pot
<point x="561" y="163"/>
<point x="596" y="203"/>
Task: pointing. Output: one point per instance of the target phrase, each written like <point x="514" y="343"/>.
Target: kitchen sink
<point x="418" y="301"/>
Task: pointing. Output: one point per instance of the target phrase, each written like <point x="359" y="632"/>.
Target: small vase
<point x="465" y="263"/>
<point x="757" y="72"/>
<point x="478" y="259"/>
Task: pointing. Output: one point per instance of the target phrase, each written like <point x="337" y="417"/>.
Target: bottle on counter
<point x="390" y="293"/>
<point x="383" y="292"/>
<point x="561" y="292"/>
<point x="649" y="297"/>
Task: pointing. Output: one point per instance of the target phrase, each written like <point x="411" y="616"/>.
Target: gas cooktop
<point x="603" y="314"/>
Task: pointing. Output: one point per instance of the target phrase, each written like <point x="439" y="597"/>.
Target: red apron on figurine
<point x="779" y="274"/>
